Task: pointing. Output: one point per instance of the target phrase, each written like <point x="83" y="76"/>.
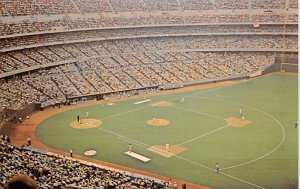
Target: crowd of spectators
<point x="28" y="26"/>
<point x="243" y="42"/>
<point x="65" y="24"/>
<point x="18" y="93"/>
<point x="25" y="41"/>
<point x="55" y="7"/>
<point x="293" y="4"/>
<point x="269" y="17"/>
<point x="197" y="5"/>
<point x="291" y="42"/>
<point x="53" y="171"/>
<point x="142" y="70"/>
<point x="292" y="18"/>
<point x="28" y="7"/>
<point x="232" y="4"/>
<point x="92" y="6"/>
<point x="146" y="12"/>
<point x="268" y="4"/>
<point x="25" y="58"/>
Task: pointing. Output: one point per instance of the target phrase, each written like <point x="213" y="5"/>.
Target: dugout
<point x="284" y="62"/>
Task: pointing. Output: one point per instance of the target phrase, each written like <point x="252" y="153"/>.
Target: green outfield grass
<point x="262" y="154"/>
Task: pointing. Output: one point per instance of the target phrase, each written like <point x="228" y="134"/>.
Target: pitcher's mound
<point x="158" y="122"/>
<point x="86" y="123"/>
<point x="237" y="122"/>
<point x="162" y="104"/>
<point x="161" y="150"/>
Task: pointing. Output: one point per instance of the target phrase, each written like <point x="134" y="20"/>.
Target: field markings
<point x="141" y="144"/>
<point x="203" y="135"/>
<point x="126" y="112"/>
<point x="208" y="115"/>
<point x="250" y="183"/>
<point x="138" y="143"/>
<point x="220" y="172"/>
<point x="141" y="102"/>
<point x="134" y="141"/>
<point x="146" y="145"/>
<point x="265" y="113"/>
<point x="148" y="106"/>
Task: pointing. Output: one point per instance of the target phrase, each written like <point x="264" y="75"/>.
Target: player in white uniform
<point x="217" y="167"/>
<point x="130" y="148"/>
<point x="167" y="147"/>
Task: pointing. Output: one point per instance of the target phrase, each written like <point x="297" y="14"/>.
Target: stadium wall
<point x="290" y="64"/>
<point x="274" y="68"/>
<point x="101" y="96"/>
<point x="11" y="117"/>
<point x="283" y="62"/>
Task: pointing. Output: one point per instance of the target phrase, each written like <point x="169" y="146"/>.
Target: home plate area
<point x="161" y="150"/>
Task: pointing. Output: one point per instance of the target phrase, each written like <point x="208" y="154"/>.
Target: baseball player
<point x="130" y="148"/>
<point x="167" y="147"/>
<point x="217" y="167"/>
<point x="182" y="100"/>
<point x="28" y="141"/>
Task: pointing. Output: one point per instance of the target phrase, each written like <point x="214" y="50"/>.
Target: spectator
<point x="20" y="181"/>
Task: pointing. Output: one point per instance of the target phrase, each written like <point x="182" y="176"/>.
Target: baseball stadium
<point x="149" y="94"/>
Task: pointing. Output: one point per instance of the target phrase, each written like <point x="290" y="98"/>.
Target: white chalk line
<point x="126" y="112"/>
<point x="143" y="101"/>
<point x="141" y="144"/>
<point x="138" y="143"/>
<point x="197" y="93"/>
<point x="208" y="115"/>
<point x="265" y="113"/>
<point x="250" y="183"/>
<point x="203" y="135"/>
<point x="225" y="174"/>
<point x="148" y="106"/>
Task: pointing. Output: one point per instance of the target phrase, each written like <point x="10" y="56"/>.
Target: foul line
<point x="208" y="115"/>
<point x="129" y="111"/>
<point x="138" y="143"/>
<point x="250" y="183"/>
<point x="203" y="135"/>
<point x="141" y="144"/>
<point x="174" y="99"/>
<point x="265" y="113"/>
<point x="230" y="176"/>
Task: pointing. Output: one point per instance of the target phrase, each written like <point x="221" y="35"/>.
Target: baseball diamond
<point x="149" y="94"/>
<point x="205" y="129"/>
